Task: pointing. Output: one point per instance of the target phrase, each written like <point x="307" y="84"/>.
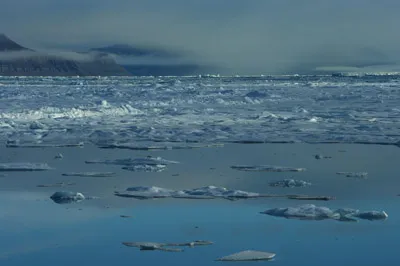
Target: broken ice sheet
<point x="248" y="255"/>
<point x="266" y="168"/>
<point x="90" y="174"/>
<point x="5" y="167"/>
<point x="312" y="212"/>
<point x="290" y="183"/>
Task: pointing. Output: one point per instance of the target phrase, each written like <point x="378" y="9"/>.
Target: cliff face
<point x="16" y="60"/>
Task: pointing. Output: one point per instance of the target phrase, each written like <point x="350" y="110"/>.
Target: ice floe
<point x="63" y="197"/>
<point x="134" y="161"/>
<point x="290" y="183"/>
<point x="43" y="145"/>
<point x="145" y="168"/>
<point x="359" y="175"/>
<point x="90" y="174"/>
<point x="5" y="167"/>
<point x="60" y="184"/>
<point x="169" y="146"/>
<point x="208" y="192"/>
<point x="165" y="246"/>
<point x="266" y="168"/>
<point x="248" y="255"/>
<point x="312" y="212"/>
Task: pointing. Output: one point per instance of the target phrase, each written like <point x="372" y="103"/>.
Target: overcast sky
<point x="245" y="36"/>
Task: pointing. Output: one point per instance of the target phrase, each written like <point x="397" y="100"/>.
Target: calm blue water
<point x="52" y="235"/>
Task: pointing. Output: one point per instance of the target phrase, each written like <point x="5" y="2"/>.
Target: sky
<point x="243" y="36"/>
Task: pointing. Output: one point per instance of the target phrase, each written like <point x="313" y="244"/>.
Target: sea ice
<point x="24" y="167"/>
<point x="149" y="160"/>
<point x="312" y="212"/>
<point x="248" y="255"/>
<point x="359" y="175"/>
<point x="290" y="183"/>
<point x="266" y="168"/>
<point x="90" y="174"/>
<point x="145" y="168"/>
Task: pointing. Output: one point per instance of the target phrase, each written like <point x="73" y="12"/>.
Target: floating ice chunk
<point x="359" y="175"/>
<point x="136" y="161"/>
<point x="145" y="192"/>
<point x="371" y="215"/>
<point x="90" y="174"/>
<point x="62" y="197"/>
<point x="24" y="167"/>
<point x="219" y="192"/>
<point x="304" y="212"/>
<point x="43" y="145"/>
<point x="248" y="255"/>
<point x="306" y="197"/>
<point x="267" y="168"/>
<point x="312" y="212"/>
<point x="145" y="168"/>
<point x="197" y="193"/>
<point x="290" y="183"/>
<point x="58" y="156"/>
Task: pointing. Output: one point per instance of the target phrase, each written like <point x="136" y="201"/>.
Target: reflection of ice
<point x="267" y="168"/>
<point x="290" y="183"/>
<point x="248" y="255"/>
<point x="62" y="197"/>
<point x="312" y="212"/>
<point x="24" y="167"/>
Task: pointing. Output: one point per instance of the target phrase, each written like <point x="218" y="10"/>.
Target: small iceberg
<point x="90" y="174"/>
<point x="266" y="168"/>
<point x="248" y="255"/>
<point x="9" y="167"/>
<point x="290" y="183"/>
<point x="312" y="212"/>
<point x="63" y="197"/>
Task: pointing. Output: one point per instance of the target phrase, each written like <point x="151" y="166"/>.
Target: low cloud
<point x="246" y="37"/>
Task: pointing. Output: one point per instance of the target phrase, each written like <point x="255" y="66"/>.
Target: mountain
<point x="16" y="60"/>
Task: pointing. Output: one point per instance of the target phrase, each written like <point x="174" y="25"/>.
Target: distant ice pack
<point x="266" y="168"/>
